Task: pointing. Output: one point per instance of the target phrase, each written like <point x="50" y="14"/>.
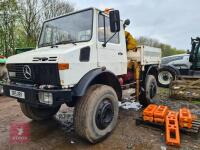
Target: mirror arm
<point x="104" y="24"/>
<point x="104" y="44"/>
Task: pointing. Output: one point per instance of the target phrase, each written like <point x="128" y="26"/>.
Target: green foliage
<point x="21" y="21"/>
<point x="8" y="18"/>
<point x="196" y="102"/>
<point x="167" y="50"/>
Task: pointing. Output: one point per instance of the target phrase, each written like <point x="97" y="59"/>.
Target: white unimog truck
<point x="81" y="60"/>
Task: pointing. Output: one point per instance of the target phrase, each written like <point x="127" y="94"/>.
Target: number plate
<point x="18" y="94"/>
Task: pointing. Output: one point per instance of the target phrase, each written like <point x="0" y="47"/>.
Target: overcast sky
<point x="172" y="22"/>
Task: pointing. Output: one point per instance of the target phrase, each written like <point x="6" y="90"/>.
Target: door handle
<point x="120" y="53"/>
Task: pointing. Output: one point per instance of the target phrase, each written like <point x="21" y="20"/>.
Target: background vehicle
<point x="187" y="86"/>
<point x="179" y="61"/>
<point x="81" y="61"/>
<point x="171" y="66"/>
<point x="179" y="65"/>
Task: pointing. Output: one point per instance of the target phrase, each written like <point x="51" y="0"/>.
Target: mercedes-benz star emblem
<point x="27" y="71"/>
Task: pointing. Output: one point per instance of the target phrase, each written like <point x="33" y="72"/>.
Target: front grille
<point x="40" y="73"/>
<point x="18" y="69"/>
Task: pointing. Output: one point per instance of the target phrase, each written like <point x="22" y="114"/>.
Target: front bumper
<point x="60" y="96"/>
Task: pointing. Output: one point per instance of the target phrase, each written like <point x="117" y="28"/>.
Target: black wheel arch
<point x="149" y="70"/>
<point x="171" y="68"/>
<point x="97" y="76"/>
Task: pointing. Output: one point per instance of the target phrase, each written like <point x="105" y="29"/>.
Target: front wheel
<point x="38" y="113"/>
<point x="96" y="113"/>
<point x="149" y="91"/>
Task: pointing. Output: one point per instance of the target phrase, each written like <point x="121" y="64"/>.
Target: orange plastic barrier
<point x="172" y="129"/>
<point x="185" y="118"/>
<point x="147" y="118"/>
<point x="159" y="120"/>
<point x="148" y="112"/>
<point x="160" y="114"/>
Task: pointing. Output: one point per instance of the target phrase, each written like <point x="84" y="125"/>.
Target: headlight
<point x="45" y="97"/>
<point x="12" y="74"/>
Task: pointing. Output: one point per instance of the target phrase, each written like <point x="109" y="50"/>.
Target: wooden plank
<point x="194" y="132"/>
<point x="188" y="77"/>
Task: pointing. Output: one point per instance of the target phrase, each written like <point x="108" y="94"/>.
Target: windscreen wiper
<point x="66" y="42"/>
<point x="45" y="44"/>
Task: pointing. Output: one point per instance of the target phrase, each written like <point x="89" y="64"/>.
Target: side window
<point x="166" y="60"/>
<point x="109" y="34"/>
<point x="178" y="58"/>
<point x="170" y="59"/>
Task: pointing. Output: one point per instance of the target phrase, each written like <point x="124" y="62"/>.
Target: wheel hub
<point x="104" y="114"/>
<point x="165" y="77"/>
<point x="153" y="90"/>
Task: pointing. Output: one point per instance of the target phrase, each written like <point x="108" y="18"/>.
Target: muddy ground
<point x="58" y="133"/>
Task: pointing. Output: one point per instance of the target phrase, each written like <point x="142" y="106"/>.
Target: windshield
<point x="71" y="28"/>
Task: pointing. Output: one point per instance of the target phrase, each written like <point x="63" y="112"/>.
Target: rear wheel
<point x="38" y="113"/>
<point x="149" y="92"/>
<point x="165" y="77"/>
<point x="96" y="113"/>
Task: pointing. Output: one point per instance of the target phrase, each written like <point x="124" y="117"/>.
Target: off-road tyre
<point x="96" y="113"/>
<point x="38" y="114"/>
<point x="149" y="91"/>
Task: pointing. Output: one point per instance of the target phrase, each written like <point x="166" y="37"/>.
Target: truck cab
<point x="80" y="60"/>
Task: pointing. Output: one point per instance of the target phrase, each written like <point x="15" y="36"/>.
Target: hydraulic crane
<point x="195" y="56"/>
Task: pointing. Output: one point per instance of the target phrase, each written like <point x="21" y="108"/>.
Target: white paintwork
<point x="182" y="63"/>
<point x="69" y="53"/>
<point x="109" y="56"/>
<point x="146" y="55"/>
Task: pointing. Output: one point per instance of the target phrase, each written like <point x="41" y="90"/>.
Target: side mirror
<point x="127" y="22"/>
<point x="114" y="21"/>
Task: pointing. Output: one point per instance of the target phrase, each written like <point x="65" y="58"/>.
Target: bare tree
<point x="54" y="8"/>
<point x="148" y="41"/>
<point x="33" y="12"/>
<point x="29" y="18"/>
<point x="167" y="50"/>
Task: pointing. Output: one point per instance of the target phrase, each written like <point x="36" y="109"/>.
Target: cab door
<point x="112" y="56"/>
<point x="195" y="55"/>
<point x="198" y="57"/>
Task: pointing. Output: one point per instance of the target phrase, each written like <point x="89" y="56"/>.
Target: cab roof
<point x="93" y="8"/>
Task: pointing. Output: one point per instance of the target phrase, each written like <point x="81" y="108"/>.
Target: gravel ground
<point x="58" y="133"/>
<point x="174" y="104"/>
